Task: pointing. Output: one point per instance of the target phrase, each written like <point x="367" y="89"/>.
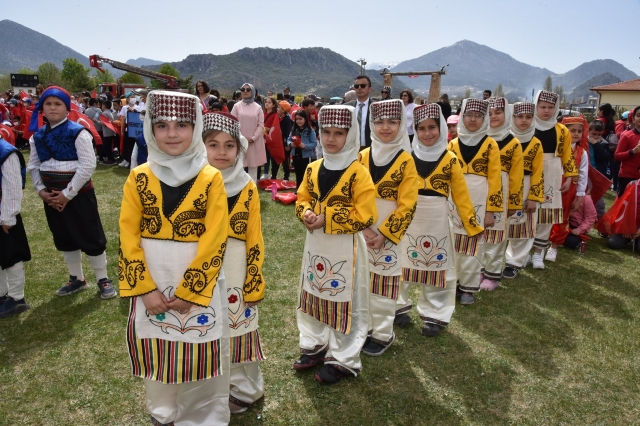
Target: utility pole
<point x="362" y="62"/>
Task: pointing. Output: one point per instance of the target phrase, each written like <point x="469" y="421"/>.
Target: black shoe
<point x="308" y="361"/>
<point x="330" y="375"/>
<point x="402" y="320"/>
<point x="431" y="330"/>
<point x="509" y="273"/>
<point x="155" y="422"/>
<point x="12" y="307"/>
<point x="466" y="298"/>
<point x="373" y="348"/>
<point x="3" y="299"/>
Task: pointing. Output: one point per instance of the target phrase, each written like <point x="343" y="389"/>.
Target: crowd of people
<point x="392" y="192"/>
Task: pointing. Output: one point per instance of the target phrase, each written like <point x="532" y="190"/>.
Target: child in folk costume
<point x="479" y="157"/>
<point x="61" y="163"/>
<point x="558" y="161"/>
<point x="14" y="247"/>
<point x="243" y="258"/>
<point x="173" y="235"/>
<point x="336" y="202"/>
<point x="522" y="225"/>
<point x="495" y="244"/>
<point x="395" y="179"/>
<point x="573" y="198"/>
<point x="428" y="255"/>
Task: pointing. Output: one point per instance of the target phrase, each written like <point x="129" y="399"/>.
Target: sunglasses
<point x="360" y="86"/>
<point x="245" y="89"/>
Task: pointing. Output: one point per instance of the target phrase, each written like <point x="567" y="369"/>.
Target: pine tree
<point x="548" y="84"/>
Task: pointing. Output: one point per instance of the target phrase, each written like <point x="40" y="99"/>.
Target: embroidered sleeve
<point x="396" y="224"/>
<point x="201" y="277"/>
<point x="564" y="150"/>
<point x="254" y="284"/>
<point x="516" y="178"/>
<point x="133" y="274"/>
<point x="306" y="194"/>
<point x="494" y="176"/>
<point x="462" y="200"/>
<point x="536" y="190"/>
<point x="354" y="209"/>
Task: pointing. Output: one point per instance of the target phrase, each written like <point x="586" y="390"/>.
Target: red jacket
<point x="629" y="163"/>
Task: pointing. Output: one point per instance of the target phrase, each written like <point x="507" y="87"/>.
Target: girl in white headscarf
<point x="395" y="179"/>
<point x="427" y="251"/>
<point x="173" y="236"/>
<point x="251" y="118"/>
<point x="500" y="114"/>
<point x="479" y="156"/>
<point x="522" y="225"/>
<point x="243" y="258"/>
<point x="336" y="202"/>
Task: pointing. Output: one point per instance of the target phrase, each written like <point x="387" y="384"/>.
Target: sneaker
<point x="106" y="289"/>
<point x="74" y="285"/>
<point x="538" y="263"/>
<point x="109" y="163"/>
<point x="402" y="320"/>
<point x="12" y="306"/>
<point x="489" y="285"/>
<point x="308" y="361"/>
<point x="236" y="409"/>
<point x="431" y="330"/>
<point x="330" y="375"/>
<point x="551" y="254"/>
<point x="466" y="298"/>
<point x="264" y="176"/>
<point x="373" y="348"/>
<point x="509" y="273"/>
<point x="124" y="163"/>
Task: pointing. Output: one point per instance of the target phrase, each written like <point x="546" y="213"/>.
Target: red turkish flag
<point x="599" y="184"/>
<point x="74" y="107"/>
<point x="108" y="124"/>
<point x="86" y="122"/>
<point x="94" y="94"/>
<point x="621" y="217"/>
<point x="27" y="134"/>
<point x="7" y="134"/>
<point x="24" y="94"/>
<point x="273" y="138"/>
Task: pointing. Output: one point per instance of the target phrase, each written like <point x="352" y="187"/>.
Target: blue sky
<point x="555" y="34"/>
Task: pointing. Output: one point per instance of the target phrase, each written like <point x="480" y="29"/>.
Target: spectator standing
<point x="445" y="106"/>
<point x="627" y="153"/>
<point x="409" y="106"/>
<point x="362" y="104"/>
<point x="108" y="135"/>
<point x="202" y="92"/>
<point x="386" y="93"/>
<point x="251" y="118"/>
<point x="486" y="94"/>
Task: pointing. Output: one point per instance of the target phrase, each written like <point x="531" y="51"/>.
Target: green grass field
<point x="553" y="347"/>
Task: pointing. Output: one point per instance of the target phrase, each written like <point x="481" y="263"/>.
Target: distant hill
<point x="582" y="92"/>
<point x="309" y="70"/>
<point x="23" y="47"/>
<point x="140" y="62"/>
<point x="479" y="67"/>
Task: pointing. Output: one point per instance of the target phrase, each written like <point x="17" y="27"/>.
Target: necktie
<point x="360" y="105"/>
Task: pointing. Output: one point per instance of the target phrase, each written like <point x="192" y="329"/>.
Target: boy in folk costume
<point x="173" y="235"/>
<point x="479" y="156"/>
<point x="14" y="247"/>
<point x="61" y="163"/>
<point x="243" y="258"/>
<point x="558" y="161"/>
<point x="395" y="179"/>
<point x="336" y="202"/>
<point x="428" y="255"/>
<point x="495" y="244"/>
<point x="522" y="225"/>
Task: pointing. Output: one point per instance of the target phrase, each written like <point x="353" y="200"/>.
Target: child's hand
<point x="377" y="242"/>
<point x="179" y="305"/>
<point x="489" y="221"/>
<point x="155" y="302"/>
<point x="6" y="228"/>
<point x="576" y="204"/>
<point x="317" y="224"/>
<point x="566" y="185"/>
<point x="511" y="212"/>
<point x="58" y="200"/>
<point x="369" y="234"/>
<point x="530" y="206"/>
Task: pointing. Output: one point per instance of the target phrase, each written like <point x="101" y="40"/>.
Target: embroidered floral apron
<point x="551" y="207"/>
<point x="386" y="260"/>
<point x="242" y="319"/>
<point x="496" y="234"/>
<point x="523" y="225"/>
<point x="478" y="191"/>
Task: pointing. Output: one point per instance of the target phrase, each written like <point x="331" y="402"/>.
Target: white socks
<point x="12" y="281"/>
<point x="99" y="265"/>
<point x="74" y="263"/>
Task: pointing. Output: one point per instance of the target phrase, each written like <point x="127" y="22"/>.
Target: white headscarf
<point x="382" y="153"/>
<point x="175" y="170"/>
<point x="349" y="153"/>
<point x="253" y="94"/>
<point x="550" y="123"/>
<point x="524" y="136"/>
<point x="235" y="178"/>
<point x="471" y="138"/>
<point x="433" y="152"/>
<point x="501" y="132"/>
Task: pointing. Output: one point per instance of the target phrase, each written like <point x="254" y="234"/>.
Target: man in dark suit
<point x="363" y="106"/>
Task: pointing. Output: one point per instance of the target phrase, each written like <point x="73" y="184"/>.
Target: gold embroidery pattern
<point x="389" y="190"/>
<point x="238" y="222"/>
<point x="530" y="156"/>
<point x="399" y="225"/>
<point x="495" y="200"/>
<point x="481" y="165"/>
<point x="516" y="199"/>
<point x="254" y="279"/>
<point x="536" y="189"/>
<point x="505" y="160"/>
<point x="130" y="270"/>
<point x="440" y="182"/>
<point x="151" y="219"/>
<point x="196" y="279"/>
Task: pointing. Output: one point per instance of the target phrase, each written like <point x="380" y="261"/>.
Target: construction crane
<point x="96" y="61"/>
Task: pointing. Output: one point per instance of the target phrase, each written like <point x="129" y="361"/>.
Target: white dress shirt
<point x="11" y="191"/>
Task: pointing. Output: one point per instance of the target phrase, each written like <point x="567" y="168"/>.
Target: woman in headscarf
<point x="395" y="179"/>
<point x="336" y="202"/>
<point x="427" y="253"/>
<point x="251" y="118"/>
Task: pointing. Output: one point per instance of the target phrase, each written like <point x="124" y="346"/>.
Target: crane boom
<point x="169" y="81"/>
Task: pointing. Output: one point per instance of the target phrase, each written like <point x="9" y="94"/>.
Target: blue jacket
<point x="308" y="138"/>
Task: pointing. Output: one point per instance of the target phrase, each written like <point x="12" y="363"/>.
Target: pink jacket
<point x="584" y="218"/>
<point x="251" y="120"/>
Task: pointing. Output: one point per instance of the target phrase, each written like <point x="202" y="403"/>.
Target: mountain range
<point x="325" y="72"/>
